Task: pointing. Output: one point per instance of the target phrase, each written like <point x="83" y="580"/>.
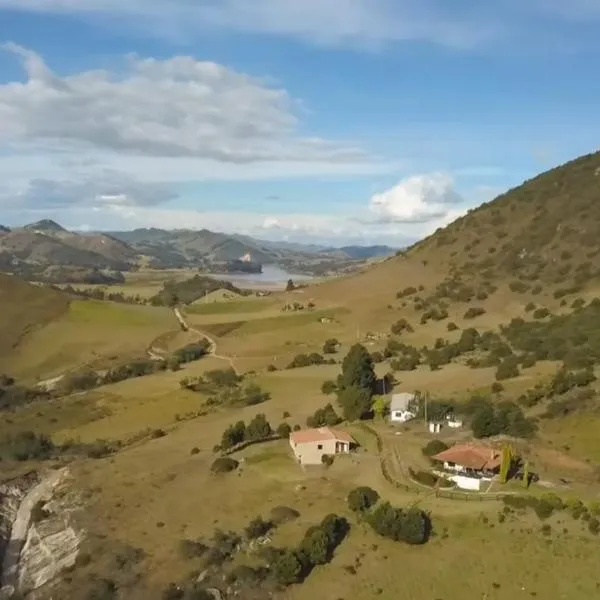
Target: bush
<point x="411" y="526"/>
<point x="284" y="430"/>
<point x="362" y="498"/>
<point x="540" y="313"/>
<point x="434" y="447"/>
<point x="224" y="464"/>
<point x="452" y="326"/>
<point x="323" y="417"/>
<point x="257" y="528"/>
<point x="328" y="387"/>
<point x="330" y="346"/>
<point x="473" y="312"/>
<point x="283" y="514"/>
<point x="401" y="326"/>
<point x="287" y="568"/>
<point x="507" y="369"/>
<point x="327" y="459"/>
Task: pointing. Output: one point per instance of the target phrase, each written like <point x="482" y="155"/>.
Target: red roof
<point x="471" y="456"/>
<point x="307" y="436"/>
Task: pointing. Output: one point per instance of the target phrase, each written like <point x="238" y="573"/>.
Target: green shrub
<point x="224" y="464"/>
<point x="473" y="312"/>
<point x="362" y="498"/>
<point x="434" y="447"/>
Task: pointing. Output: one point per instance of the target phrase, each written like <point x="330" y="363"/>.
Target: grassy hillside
<point x="495" y="315"/>
<point x="24" y="308"/>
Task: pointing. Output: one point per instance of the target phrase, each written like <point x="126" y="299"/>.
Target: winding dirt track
<point x="213" y="344"/>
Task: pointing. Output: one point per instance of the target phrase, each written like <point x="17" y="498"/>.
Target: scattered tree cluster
<point x="324" y="417"/>
<point x="306" y="360"/>
<point x="258" y="429"/>
<point x="356" y="383"/>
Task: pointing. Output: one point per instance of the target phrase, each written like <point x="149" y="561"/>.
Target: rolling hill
<point x="24" y="307"/>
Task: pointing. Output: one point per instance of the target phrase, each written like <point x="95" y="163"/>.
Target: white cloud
<point x="177" y="107"/>
<point x="364" y="22"/>
<point x="416" y="199"/>
<point x="104" y="188"/>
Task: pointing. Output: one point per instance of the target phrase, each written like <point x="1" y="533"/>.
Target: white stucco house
<point x="401" y="409"/>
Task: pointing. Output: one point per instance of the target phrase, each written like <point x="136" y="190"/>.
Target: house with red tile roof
<point x="470" y="464"/>
<point x="473" y="459"/>
<point x="310" y="445"/>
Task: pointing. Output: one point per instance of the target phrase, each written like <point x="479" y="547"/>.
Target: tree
<point x="362" y="498"/>
<point x="434" y="447"/>
<point x="257" y="528"/>
<point x="287" y="568"/>
<point x="506" y="464"/>
<point x="355" y="402"/>
<point x="284" y="430"/>
<point x="381" y="406"/>
<point x="508" y="368"/>
<point x="526" y="475"/>
<point x="259" y="428"/>
<point x="328" y="387"/>
<point x="315" y="546"/>
<point x="357" y="369"/>
<point x="233" y="435"/>
<point x="330" y="346"/>
<point x="290" y="286"/>
<point x="484" y="423"/>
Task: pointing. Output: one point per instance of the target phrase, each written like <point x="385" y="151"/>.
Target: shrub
<point x="411" y="526"/>
<point x="257" y="528"/>
<point x="330" y="346"/>
<point x="284" y="430"/>
<point x="497" y="387"/>
<point x="328" y="387"/>
<point x="401" y="326"/>
<point x="158" y="433"/>
<point x="452" y="326"/>
<point x="192" y="548"/>
<point x="507" y="369"/>
<point x="323" y="417"/>
<point x="433" y="447"/>
<point x="38" y="512"/>
<point x="327" y="459"/>
<point x="362" y="498"/>
<point x="473" y="312"/>
<point x="224" y="464"/>
<point x="287" y="568"/>
<point x="283" y="514"/>
<point x="540" y="313"/>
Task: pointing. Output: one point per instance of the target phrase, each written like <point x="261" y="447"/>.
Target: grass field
<point x="90" y="333"/>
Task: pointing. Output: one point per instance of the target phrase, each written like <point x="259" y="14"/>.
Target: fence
<point x="440" y="493"/>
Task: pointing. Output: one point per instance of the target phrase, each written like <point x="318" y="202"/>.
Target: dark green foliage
<point x="540" y="313"/>
<point x="401" y="326"/>
<point x="284" y="430"/>
<point x="233" y="435"/>
<point x="188" y="291"/>
<point x="411" y="526"/>
<point x="224" y="464"/>
<point x="306" y="360"/>
<point x="362" y="498"/>
<point x="258" y="428"/>
<point x="355" y="402"/>
<point x="323" y="417"/>
<point x="328" y="387"/>
<point x="283" y="514"/>
<point x="327" y="459"/>
<point x="429" y="479"/>
<point x="287" y="568"/>
<point x="12" y="396"/>
<point x="452" y="326"/>
<point x="27" y="445"/>
<point x="257" y="528"/>
<point x="408" y="291"/>
<point x="508" y="368"/>
<point x="434" y="447"/>
<point x="253" y="394"/>
<point x="518" y="286"/>
<point x="506" y="417"/>
<point x="473" y="312"/>
<point x="565" y="380"/>
<point x="330" y="346"/>
<point x="357" y="369"/>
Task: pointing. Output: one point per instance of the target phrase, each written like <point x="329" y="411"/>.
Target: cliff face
<point x="12" y="493"/>
<point x="38" y="537"/>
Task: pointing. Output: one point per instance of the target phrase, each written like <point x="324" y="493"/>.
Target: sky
<point x="317" y="121"/>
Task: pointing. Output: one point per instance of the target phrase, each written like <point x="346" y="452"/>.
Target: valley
<point x="134" y="390"/>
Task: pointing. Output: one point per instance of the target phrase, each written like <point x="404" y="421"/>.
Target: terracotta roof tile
<point x="306" y="436"/>
<point x="471" y="456"/>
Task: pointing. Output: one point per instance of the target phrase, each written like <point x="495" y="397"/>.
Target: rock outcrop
<point x="39" y="537"/>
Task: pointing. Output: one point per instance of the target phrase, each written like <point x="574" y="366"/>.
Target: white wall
<point x="466" y="483"/>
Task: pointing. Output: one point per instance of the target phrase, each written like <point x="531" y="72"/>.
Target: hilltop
<point x="545" y="230"/>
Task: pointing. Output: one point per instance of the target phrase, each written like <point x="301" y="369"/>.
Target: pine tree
<point x="357" y="369"/>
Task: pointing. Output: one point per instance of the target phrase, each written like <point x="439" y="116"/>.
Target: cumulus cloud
<point x="416" y="199"/>
<point x="178" y="107"/>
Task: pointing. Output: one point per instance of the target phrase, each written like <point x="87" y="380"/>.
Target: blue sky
<point x="332" y="120"/>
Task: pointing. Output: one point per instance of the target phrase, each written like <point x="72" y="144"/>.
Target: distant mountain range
<point x="37" y="250"/>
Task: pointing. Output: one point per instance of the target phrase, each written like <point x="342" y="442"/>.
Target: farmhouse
<point x="401" y="407"/>
<point x="310" y="445"/>
<point x="471" y="464"/>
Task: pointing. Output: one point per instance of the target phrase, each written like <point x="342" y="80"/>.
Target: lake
<point x="272" y="278"/>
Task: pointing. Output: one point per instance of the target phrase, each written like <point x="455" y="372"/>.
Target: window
<point x="320" y="447"/>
